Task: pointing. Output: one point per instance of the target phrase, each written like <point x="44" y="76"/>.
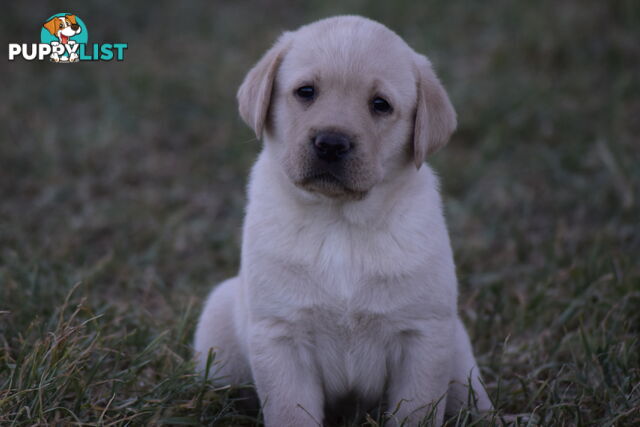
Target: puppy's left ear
<point x="435" y="117"/>
<point x="254" y="95"/>
<point x="71" y="18"/>
<point x="51" y="26"/>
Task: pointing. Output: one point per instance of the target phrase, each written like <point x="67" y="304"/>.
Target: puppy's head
<point x="63" y="27"/>
<point x="345" y="103"/>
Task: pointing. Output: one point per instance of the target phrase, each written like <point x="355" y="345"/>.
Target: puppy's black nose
<point x="331" y="146"/>
<point x="75" y="27"/>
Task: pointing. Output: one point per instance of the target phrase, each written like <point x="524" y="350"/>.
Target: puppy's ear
<point x="254" y="95"/>
<point x="71" y="18"/>
<point x="51" y="26"/>
<point x="435" y="117"/>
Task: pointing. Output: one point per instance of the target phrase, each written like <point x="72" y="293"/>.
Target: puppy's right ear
<point x="254" y="95"/>
<point x="435" y="117"/>
<point x="51" y="26"/>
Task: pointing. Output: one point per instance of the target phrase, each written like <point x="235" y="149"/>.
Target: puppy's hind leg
<point x="217" y="331"/>
<point x="465" y="372"/>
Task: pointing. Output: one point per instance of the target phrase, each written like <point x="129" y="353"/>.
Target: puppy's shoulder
<point x="423" y="192"/>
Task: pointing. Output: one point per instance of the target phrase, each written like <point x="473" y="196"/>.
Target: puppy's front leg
<point x="286" y="377"/>
<point x="418" y="382"/>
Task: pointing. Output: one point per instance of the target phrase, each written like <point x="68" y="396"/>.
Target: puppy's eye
<point x="306" y="92"/>
<point x="380" y="105"/>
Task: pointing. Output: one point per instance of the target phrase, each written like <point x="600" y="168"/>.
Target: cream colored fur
<point x="347" y="287"/>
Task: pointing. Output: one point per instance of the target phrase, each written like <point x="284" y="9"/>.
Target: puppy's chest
<point x="345" y="294"/>
<point x="343" y="260"/>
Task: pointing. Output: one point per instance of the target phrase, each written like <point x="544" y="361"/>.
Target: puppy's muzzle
<point x="331" y="146"/>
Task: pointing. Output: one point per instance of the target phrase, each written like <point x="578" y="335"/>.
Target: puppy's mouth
<point x="330" y="185"/>
<point x="323" y="178"/>
<point x="64" y="39"/>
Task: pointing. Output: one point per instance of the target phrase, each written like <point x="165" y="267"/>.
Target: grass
<point x="122" y="192"/>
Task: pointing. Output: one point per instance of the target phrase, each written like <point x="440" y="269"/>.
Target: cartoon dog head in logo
<point x="63" y="27"/>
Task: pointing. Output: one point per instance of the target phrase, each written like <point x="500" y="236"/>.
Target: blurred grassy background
<point x="126" y="180"/>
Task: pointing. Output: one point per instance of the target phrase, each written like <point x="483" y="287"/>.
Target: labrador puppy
<point x="347" y="285"/>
